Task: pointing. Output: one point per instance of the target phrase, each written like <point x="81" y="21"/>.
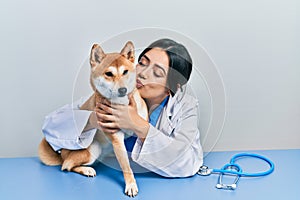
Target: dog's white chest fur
<point x="120" y="100"/>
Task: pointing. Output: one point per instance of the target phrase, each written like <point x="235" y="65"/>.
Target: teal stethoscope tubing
<point x="239" y="172"/>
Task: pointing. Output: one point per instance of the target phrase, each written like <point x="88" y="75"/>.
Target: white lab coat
<point x="171" y="149"/>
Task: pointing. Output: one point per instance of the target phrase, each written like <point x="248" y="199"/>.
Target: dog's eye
<point x="125" y="72"/>
<point x="109" y="74"/>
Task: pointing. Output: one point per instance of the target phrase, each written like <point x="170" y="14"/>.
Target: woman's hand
<point x="95" y="119"/>
<point x="112" y="117"/>
<point x="100" y="118"/>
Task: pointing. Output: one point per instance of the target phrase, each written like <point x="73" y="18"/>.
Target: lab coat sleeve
<point x="176" y="153"/>
<point x="63" y="128"/>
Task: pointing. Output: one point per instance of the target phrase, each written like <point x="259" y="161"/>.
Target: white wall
<point x="253" y="43"/>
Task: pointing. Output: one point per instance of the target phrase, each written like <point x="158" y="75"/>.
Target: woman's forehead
<point x="157" y="56"/>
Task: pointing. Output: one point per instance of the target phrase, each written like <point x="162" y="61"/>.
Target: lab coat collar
<point x="174" y="102"/>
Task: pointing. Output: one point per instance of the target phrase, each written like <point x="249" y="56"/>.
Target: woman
<point x="169" y="144"/>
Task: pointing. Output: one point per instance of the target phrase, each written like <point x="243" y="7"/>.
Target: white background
<point x="255" y="45"/>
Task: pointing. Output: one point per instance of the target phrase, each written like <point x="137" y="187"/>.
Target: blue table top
<point x="28" y="178"/>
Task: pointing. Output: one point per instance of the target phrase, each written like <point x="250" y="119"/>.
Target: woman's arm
<point x="172" y="151"/>
<point x="169" y="151"/>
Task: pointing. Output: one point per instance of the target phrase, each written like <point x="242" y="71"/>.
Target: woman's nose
<point x="143" y="73"/>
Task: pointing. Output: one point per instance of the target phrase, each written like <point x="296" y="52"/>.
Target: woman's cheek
<point x="142" y="92"/>
<point x="147" y="92"/>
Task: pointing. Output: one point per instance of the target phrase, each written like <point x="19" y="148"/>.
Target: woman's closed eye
<point x="158" y="73"/>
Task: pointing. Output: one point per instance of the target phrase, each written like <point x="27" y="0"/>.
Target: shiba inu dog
<point x="113" y="77"/>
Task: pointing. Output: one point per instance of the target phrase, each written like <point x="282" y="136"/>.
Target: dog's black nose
<point x="122" y="91"/>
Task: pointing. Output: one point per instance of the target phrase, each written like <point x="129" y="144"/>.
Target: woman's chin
<point x="142" y="91"/>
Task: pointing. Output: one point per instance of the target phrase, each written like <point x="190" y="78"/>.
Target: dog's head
<point x="113" y="75"/>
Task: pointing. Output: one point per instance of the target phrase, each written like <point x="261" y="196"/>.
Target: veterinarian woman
<point x="169" y="143"/>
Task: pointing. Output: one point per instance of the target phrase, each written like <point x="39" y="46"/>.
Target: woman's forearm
<point x="141" y="128"/>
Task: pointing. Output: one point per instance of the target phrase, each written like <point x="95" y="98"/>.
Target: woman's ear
<point x="179" y="87"/>
<point x="128" y="51"/>
<point x="167" y="91"/>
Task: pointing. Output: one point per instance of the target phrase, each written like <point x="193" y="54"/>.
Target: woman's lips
<point x="139" y="84"/>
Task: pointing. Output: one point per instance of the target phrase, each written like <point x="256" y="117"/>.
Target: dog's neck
<point x="120" y="100"/>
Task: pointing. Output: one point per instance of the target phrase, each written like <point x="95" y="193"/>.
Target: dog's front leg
<point x="117" y="140"/>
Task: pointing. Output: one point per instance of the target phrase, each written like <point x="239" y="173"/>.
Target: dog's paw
<point x="84" y="170"/>
<point x="88" y="171"/>
<point x="131" y="189"/>
<point x="67" y="165"/>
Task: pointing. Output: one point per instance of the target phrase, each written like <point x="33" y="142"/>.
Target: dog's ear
<point x="128" y="51"/>
<point x="97" y="55"/>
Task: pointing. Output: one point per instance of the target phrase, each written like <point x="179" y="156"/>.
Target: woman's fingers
<point x="104" y="117"/>
<point x="104" y="108"/>
<point x="98" y="110"/>
<point x="108" y="126"/>
<point x="106" y="102"/>
<point x="109" y="130"/>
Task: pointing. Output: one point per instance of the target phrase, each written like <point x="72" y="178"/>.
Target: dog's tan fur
<point x="76" y="160"/>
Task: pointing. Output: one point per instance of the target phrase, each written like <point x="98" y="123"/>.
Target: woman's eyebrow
<point x="156" y="65"/>
<point x="146" y="58"/>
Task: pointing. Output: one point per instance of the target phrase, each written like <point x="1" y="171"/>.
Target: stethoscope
<point x="234" y="169"/>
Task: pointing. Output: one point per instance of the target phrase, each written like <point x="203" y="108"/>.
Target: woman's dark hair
<point x="180" y="62"/>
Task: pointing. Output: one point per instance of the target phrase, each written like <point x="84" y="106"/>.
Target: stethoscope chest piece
<point x="204" y="171"/>
<point x="232" y="186"/>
